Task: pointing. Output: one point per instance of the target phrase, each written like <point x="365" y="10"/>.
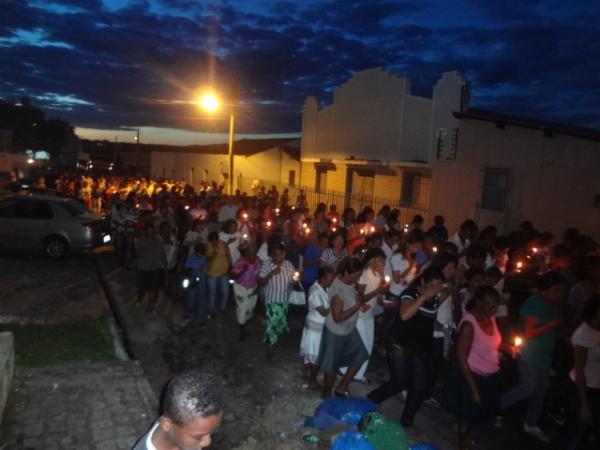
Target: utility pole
<point x="137" y="151"/>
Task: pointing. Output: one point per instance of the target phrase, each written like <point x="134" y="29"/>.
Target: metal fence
<point x="340" y="199"/>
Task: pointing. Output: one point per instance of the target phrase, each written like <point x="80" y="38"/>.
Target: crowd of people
<point x="445" y="309"/>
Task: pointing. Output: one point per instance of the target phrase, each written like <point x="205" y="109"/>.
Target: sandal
<point x="345" y="394"/>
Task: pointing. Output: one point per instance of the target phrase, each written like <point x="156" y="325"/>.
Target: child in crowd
<point x="245" y="288"/>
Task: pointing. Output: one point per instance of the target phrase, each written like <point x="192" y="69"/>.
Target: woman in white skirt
<point x="318" y="308"/>
<point x="371" y="286"/>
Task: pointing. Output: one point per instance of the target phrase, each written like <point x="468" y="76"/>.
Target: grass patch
<point x="60" y="344"/>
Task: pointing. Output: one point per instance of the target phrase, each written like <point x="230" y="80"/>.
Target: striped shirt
<point x="277" y="289"/>
<point x="328" y="258"/>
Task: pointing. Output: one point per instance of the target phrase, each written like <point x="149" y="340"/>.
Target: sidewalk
<point x="92" y="406"/>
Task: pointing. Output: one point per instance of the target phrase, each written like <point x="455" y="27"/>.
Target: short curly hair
<point x="192" y="394"/>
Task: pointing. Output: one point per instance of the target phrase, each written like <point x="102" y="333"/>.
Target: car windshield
<point x="74" y="208"/>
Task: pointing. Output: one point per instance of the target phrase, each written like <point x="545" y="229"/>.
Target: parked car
<point x="55" y="225"/>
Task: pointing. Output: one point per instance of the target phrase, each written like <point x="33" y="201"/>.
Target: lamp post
<point x="210" y="102"/>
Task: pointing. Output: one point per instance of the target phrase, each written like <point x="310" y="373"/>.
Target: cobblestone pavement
<point x="38" y="289"/>
<point x="96" y="406"/>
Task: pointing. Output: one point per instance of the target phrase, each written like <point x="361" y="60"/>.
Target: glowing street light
<point x="211" y="103"/>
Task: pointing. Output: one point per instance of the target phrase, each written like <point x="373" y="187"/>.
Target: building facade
<point x="377" y="139"/>
<point x="262" y="160"/>
<point x="506" y="170"/>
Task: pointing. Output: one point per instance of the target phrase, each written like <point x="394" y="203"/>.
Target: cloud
<point x="141" y="64"/>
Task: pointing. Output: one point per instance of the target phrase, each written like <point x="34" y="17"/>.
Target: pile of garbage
<point x="354" y="424"/>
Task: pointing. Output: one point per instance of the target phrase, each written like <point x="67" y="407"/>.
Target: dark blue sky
<point x="130" y="63"/>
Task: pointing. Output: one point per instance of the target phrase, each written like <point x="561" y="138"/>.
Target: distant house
<point x="266" y="160"/>
<point x="508" y="169"/>
<point x="377" y="139"/>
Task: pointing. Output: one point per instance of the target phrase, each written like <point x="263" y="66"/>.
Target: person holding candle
<point x="318" y="309"/>
<point x="371" y="285"/>
<point x="311" y="260"/>
<point x="276" y="277"/>
<point x="217" y="280"/>
<point x="341" y="345"/>
<point x="245" y="287"/>
<point x="336" y="251"/>
<point x="471" y="392"/>
<point x="540" y="320"/>
<point x="410" y="344"/>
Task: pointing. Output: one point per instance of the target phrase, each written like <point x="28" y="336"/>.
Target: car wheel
<point x="56" y="247"/>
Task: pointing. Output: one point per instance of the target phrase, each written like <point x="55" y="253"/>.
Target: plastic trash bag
<point x="424" y="446"/>
<point x="352" y="440"/>
<point x="348" y="410"/>
<point x="383" y="433"/>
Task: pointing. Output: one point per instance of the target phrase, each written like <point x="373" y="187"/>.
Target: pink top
<point x="483" y="356"/>
<point x="248" y="279"/>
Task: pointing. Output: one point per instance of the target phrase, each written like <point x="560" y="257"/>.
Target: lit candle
<point x="362" y="231"/>
<point x="304" y="225"/>
<point x="231" y="281"/>
<point x="534" y="250"/>
<point x="268" y="224"/>
<point x="276" y="210"/>
<point x="519" y="265"/>
<point x="387" y="279"/>
<point x="334" y="229"/>
<point x="372" y="229"/>
<point x="137" y="205"/>
<point x="307" y="231"/>
<point x="434" y="249"/>
<point x="187" y="207"/>
<point x="245" y="216"/>
<point x="334" y="220"/>
<point x="518" y="341"/>
<point x="244" y="236"/>
<point x="296" y="276"/>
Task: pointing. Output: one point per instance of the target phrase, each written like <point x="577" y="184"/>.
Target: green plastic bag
<point x="383" y="433"/>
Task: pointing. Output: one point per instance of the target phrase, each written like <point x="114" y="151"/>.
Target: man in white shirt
<point x="227" y="211"/>
<point x="464" y="236"/>
<point x="192" y="410"/>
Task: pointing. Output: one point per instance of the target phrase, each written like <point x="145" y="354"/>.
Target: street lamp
<point x="210" y="102"/>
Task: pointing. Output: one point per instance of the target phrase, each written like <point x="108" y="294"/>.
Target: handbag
<point x="297" y="296"/>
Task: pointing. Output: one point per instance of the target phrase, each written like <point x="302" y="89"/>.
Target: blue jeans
<point x="533" y="385"/>
<point x="217" y="292"/>
<point x="196" y="302"/>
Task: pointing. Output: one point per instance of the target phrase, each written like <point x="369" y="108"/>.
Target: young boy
<point x="195" y="301"/>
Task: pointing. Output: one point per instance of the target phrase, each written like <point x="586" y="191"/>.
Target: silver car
<point x="55" y="225"/>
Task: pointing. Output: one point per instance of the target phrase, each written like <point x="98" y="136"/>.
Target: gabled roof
<point x="551" y="127"/>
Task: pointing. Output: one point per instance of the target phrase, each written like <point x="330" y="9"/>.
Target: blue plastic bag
<point x="348" y="410"/>
<point x="423" y="447"/>
<point x="352" y="440"/>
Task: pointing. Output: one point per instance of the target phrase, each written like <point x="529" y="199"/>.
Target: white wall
<point x="374" y="116"/>
<point x="272" y="164"/>
<point x="552" y="180"/>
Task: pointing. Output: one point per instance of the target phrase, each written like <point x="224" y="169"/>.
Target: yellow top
<point x="219" y="259"/>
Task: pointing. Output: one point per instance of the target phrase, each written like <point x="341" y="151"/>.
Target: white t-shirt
<point x="585" y="336"/>
<point x="398" y="263"/>
<point x="455" y="239"/>
<point x="263" y="253"/>
<point x="234" y="247"/>
<point x="372" y="281"/>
